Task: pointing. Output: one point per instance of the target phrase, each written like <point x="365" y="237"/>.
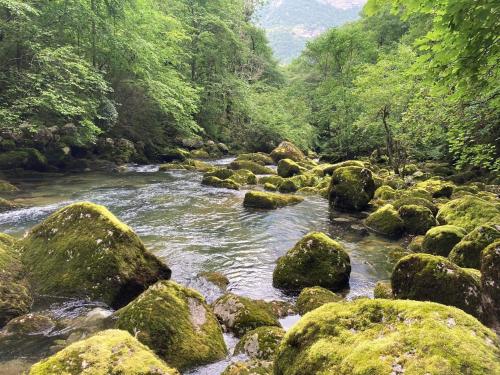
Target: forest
<point x="175" y="200"/>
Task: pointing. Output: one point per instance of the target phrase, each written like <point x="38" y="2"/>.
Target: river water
<point x="193" y="228"/>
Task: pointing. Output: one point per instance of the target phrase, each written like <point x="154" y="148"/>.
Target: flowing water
<point x="193" y="228"/>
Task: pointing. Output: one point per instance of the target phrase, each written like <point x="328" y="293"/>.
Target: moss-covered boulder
<point x="467" y="253"/>
<point x="425" y="277"/>
<point x="270" y="187"/>
<point x="251" y="367"/>
<point x="269" y="201"/>
<point x="84" y="251"/>
<point x="260" y="343"/>
<point x="275" y="180"/>
<point x="328" y="170"/>
<point x="251" y="166"/>
<point x="176" y="323"/>
<point x="440" y="240"/>
<point x="415" y="244"/>
<point x="468" y="212"/>
<point x="218" y="183"/>
<point x="287" y="150"/>
<point x="490" y="282"/>
<point x="111" y="352"/>
<point x="295" y="183"/>
<point x="383" y="290"/>
<point x="244" y="177"/>
<point x="7" y="187"/>
<point x="26" y="158"/>
<point x="187" y="165"/>
<point x="29" y="324"/>
<point x="438" y="188"/>
<point x="199" y="154"/>
<point x="314" y="297"/>
<point x="351" y="188"/>
<point x="417" y="219"/>
<point x="385" y="192"/>
<point x="288" y="168"/>
<point x="385" y="221"/>
<point x="381" y="337"/>
<point x="316" y="260"/>
<point x="15" y="292"/>
<point x="417" y="201"/>
<point x="240" y="314"/>
<point x="257" y="157"/>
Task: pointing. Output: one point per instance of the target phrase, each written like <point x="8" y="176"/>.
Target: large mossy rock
<point x="187" y="165"/>
<point x="288" y="168"/>
<point x="240" y="314"/>
<point x="469" y="212"/>
<point x="441" y="240"/>
<point x="490" y="281"/>
<point x="257" y="157"/>
<point x="438" y="188"/>
<point x="425" y="277"/>
<point x="418" y="201"/>
<point x="417" y="219"/>
<point x="110" y="352"/>
<point x="386" y="221"/>
<point x="218" y="183"/>
<point x="385" y="192"/>
<point x="26" y="158"/>
<point x="15" y="292"/>
<point x="287" y="150"/>
<point x="251" y="166"/>
<point x="314" y="297"/>
<point x="269" y="201"/>
<point x="176" y="323"/>
<point x="467" y="253"/>
<point x="260" y="343"/>
<point x="316" y="260"/>
<point x="351" y="188"/>
<point x="84" y="251"/>
<point x="383" y="337"/>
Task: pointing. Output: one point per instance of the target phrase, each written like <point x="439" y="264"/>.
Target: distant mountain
<point x="291" y="23"/>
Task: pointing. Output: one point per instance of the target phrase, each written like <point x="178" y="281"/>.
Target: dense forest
<point x="417" y="79"/>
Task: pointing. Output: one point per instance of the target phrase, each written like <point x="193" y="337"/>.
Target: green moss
<point x="351" y="188"/>
<point x="490" y="282"/>
<point x="385" y="221"/>
<point x="287" y="150"/>
<point x="221" y="173"/>
<point x="6" y="187"/>
<point x="316" y="260"/>
<point x="29" y="324"/>
<point x="275" y="180"/>
<point x="406" y="201"/>
<point x="269" y="201"/>
<point x="440" y="240"/>
<point x="216" y="278"/>
<point x="416" y="244"/>
<point x="176" y="323"/>
<point x="270" y="187"/>
<point x="252" y="367"/>
<point x="257" y="157"/>
<point x="199" y="154"/>
<point x="468" y="212"/>
<point x="288" y="168"/>
<point x="288" y="186"/>
<point x="410" y="169"/>
<point x="383" y="290"/>
<point x="83" y="251"/>
<point x="385" y="192"/>
<point x="380" y="337"/>
<point x="7" y="241"/>
<point x="425" y="277"/>
<point x="6" y="205"/>
<point x="27" y="158"/>
<point x="328" y="170"/>
<point x="241" y="315"/>
<point x="467" y="252"/>
<point x="218" y="183"/>
<point x="438" y="188"/>
<point x="295" y="183"/>
<point x="244" y="177"/>
<point x="314" y="297"/>
<point x="260" y="343"/>
<point x="189" y="165"/>
<point x="251" y="166"/>
<point x="417" y="219"/>
<point x="111" y="352"/>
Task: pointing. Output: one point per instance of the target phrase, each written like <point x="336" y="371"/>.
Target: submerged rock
<point x="386" y="221"/>
<point x="440" y="240"/>
<point x="316" y="260"/>
<point x="84" y="251"/>
<point x="216" y="278"/>
<point x="468" y="212"/>
<point x="425" y="277"/>
<point x="176" y="323"/>
<point x="287" y="150"/>
<point x="417" y="219"/>
<point x="351" y="188"/>
<point x="467" y="252"/>
<point x="251" y="166"/>
<point x="381" y="337"/>
<point x="490" y="281"/>
<point x="269" y="201"/>
<point x="111" y="352"/>
<point x="260" y="343"/>
<point x="288" y="168"/>
<point x="240" y="314"/>
<point x="314" y="297"/>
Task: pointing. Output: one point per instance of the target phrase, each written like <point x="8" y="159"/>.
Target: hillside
<point x="291" y="23"/>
